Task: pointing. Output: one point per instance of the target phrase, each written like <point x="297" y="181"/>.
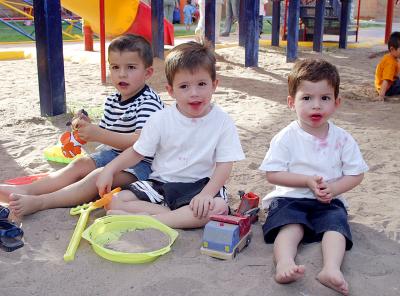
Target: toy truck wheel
<point x="235" y="253"/>
<point x="248" y="240"/>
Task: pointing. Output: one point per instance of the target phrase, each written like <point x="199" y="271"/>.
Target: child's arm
<point x="126" y="159"/>
<point x="344" y="184"/>
<point x="383" y="90"/>
<point x="204" y="201"/>
<point x="93" y="133"/>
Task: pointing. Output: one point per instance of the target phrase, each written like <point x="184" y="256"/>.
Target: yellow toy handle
<point x="76" y="236"/>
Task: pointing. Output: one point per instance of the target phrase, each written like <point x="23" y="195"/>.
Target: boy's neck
<point x="123" y="98"/>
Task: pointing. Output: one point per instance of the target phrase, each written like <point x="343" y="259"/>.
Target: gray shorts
<point x="141" y="171"/>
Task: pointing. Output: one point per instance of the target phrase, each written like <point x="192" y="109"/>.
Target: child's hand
<point x="201" y="204"/>
<point x="320" y="188"/>
<point x="325" y="192"/>
<point x="104" y="182"/>
<point x="87" y="131"/>
<point x="82" y="115"/>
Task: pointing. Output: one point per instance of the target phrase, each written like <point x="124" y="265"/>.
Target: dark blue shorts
<point x="314" y="216"/>
<point x="394" y="89"/>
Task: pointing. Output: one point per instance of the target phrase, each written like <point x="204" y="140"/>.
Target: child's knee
<point x="119" y="199"/>
<point x="83" y="165"/>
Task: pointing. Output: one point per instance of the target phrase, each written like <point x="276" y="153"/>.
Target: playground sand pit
<point x="256" y="100"/>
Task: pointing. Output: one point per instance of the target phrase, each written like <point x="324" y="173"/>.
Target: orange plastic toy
<point x="71" y="144"/>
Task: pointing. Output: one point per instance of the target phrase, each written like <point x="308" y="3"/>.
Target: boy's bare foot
<point x="288" y="272"/>
<point x="22" y="205"/>
<point x="333" y="279"/>
<point x="6" y="190"/>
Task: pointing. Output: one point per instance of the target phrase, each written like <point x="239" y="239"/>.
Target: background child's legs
<point x="285" y="250"/>
<point x="72" y="173"/>
<point x="333" y="249"/>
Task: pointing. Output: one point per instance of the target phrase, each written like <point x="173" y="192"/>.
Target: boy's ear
<point x="290" y="102"/>
<point x="215" y="84"/>
<point x="338" y="101"/>
<point x="170" y="90"/>
<point x="149" y="72"/>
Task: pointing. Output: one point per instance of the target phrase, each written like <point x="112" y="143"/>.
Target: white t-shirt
<point x="296" y="151"/>
<point x="187" y="149"/>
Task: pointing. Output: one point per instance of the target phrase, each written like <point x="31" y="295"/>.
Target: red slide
<point x="142" y="25"/>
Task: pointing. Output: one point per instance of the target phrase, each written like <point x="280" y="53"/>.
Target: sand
<point x="139" y="241"/>
<point x="256" y="100"/>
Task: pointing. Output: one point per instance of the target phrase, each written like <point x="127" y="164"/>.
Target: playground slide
<point x="123" y="16"/>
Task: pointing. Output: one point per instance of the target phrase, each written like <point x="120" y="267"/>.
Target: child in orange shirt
<point x="387" y="72"/>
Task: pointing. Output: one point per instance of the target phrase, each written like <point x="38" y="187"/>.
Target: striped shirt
<point x="130" y="115"/>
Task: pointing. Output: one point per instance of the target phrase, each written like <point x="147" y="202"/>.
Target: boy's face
<point x="314" y="104"/>
<point x="193" y="92"/>
<point x="395" y="52"/>
<point x="128" y="72"/>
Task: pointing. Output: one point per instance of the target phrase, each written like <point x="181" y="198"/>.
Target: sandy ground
<point x="256" y="99"/>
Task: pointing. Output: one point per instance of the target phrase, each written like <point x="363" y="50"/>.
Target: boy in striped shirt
<point x="125" y="113"/>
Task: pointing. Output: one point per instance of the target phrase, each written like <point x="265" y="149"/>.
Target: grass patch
<point x="8" y="34"/>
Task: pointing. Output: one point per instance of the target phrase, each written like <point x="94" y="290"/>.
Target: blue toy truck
<point x="225" y="236"/>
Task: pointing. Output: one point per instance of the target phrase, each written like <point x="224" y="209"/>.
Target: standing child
<point x="311" y="162"/>
<point x="130" y="58"/>
<point x="387" y="82"/>
<point x="194" y="144"/>
<point x="188" y="12"/>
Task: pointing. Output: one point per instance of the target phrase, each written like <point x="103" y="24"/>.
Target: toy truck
<point x="225" y="236"/>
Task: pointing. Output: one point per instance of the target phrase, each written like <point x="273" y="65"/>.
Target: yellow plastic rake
<point x="84" y="211"/>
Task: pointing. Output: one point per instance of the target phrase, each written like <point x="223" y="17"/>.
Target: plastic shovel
<point x="84" y="211"/>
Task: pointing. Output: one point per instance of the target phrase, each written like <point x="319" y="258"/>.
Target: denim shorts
<point x="141" y="171"/>
<point x="315" y="217"/>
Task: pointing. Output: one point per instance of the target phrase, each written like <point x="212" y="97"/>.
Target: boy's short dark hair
<point x="313" y="70"/>
<point x="190" y="56"/>
<point x="394" y="40"/>
<point x="133" y="43"/>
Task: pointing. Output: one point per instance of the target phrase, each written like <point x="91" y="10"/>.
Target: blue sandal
<point x="10" y="236"/>
<point x="4" y="212"/>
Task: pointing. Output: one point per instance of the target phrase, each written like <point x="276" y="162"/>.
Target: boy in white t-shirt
<point x="311" y="162"/>
<point x="194" y="144"/>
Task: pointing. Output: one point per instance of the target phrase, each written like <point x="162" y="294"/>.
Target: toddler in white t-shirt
<point x="311" y="162"/>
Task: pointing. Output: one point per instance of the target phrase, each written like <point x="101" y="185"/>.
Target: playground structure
<point x="332" y="11"/>
<point x="49" y="41"/>
<point x="121" y="17"/>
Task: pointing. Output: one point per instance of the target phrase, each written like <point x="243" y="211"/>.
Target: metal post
<point x="293" y="30"/>
<point x="389" y="19"/>
<point x="242" y="23"/>
<point x="102" y="41"/>
<point x="209" y="27"/>
<point x="276" y="22"/>
<point x="157" y="27"/>
<point x="319" y="25"/>
<point x="344" y="22"/>
<point x="50" y="60"/>
<point x="252" y="10"/>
